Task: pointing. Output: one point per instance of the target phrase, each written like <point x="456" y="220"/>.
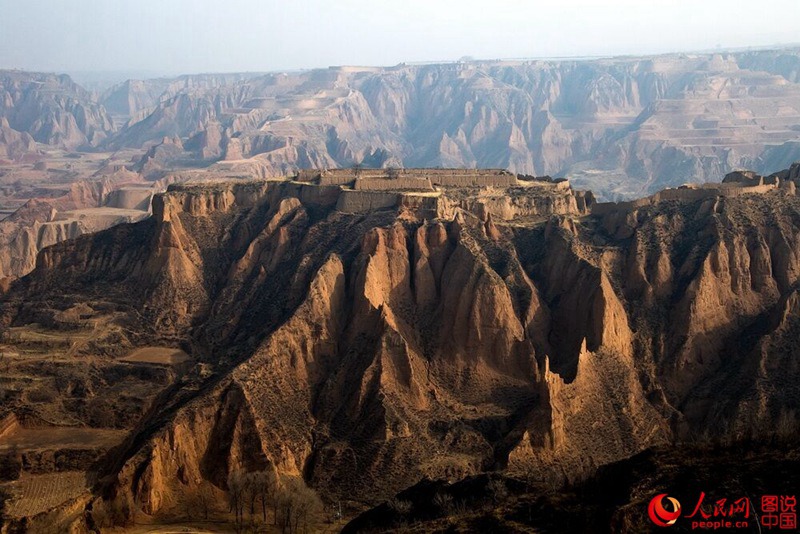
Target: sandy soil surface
<point x="157" y="355"/>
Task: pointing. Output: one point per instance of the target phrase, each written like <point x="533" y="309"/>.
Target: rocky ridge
<point x="441" y="334"/>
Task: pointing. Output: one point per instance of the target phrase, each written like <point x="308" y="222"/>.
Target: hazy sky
<point x="184" y="36"/>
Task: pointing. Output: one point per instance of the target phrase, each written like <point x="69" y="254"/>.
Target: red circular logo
<point x="660" y="515"/>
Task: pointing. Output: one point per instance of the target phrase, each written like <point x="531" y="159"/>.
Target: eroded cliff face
<point x="14" y="145"/>
<point x="52" y="110"/>
<point x="364" y="351"/>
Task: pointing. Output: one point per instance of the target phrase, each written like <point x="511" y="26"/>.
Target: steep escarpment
<point x="715" y="271"/>
<point x="366" y="350"/>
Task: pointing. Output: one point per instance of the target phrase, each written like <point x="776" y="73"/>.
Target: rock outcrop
<point x="365" y="351"/>
<point x="53" y="110"/>
<point x="14" y="145"/>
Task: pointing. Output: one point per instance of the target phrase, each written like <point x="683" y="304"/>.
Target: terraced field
<point x="36" y="337"/>
<point x="61" y="437"/>
<point x="34" y="494"/>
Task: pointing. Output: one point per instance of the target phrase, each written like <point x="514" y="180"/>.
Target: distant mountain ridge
<point x="623" y="127"/>
<point x="620" y="126"/>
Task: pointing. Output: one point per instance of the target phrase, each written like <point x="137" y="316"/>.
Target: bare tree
<point x="236" y="496"/>
<point x="205" y="498"/>
<point x="297" y="506"/>
<point x="309" y="505"/>
<point x="265" y="489"/>
<point x="250" y="497"/>
<point x="4" y="496"/>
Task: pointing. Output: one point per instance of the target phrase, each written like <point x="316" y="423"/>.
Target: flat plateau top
<point x="157" y="356"/>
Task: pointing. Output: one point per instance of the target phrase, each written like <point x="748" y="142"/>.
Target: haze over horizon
<point x="182" y="36"/>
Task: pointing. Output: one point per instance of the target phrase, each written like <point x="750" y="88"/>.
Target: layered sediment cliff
<point x="443" y="334"/>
